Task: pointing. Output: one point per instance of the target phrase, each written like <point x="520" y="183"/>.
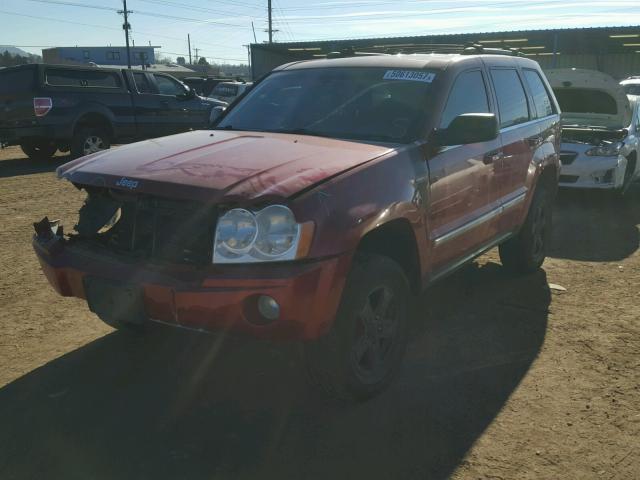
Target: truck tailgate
<point x="16" y="97"/>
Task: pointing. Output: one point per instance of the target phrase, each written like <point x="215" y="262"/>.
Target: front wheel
<point x="89" y="140"/>
<point x="363" y="352"/>
<point x="527" y="251"/>
<point x="39" y="150"/>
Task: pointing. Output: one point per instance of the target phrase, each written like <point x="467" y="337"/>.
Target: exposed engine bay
<point x="592" y="136"/>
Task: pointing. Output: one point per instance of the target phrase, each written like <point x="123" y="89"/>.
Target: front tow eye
<point x="49" y="235"/>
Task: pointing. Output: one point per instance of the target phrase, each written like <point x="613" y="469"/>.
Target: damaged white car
<point x="600" y="130"/>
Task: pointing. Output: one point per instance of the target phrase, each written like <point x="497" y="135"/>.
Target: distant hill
<point x="10" y="55"/>
<point x="14" y="51"/>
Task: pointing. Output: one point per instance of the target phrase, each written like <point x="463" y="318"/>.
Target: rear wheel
<point x="89" y="140"/>
<point x="363" y="352"/>
<point x="527" y="251"/>
<point x="39" y="149"/>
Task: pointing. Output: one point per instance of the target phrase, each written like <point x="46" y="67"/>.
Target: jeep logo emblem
<point x="126" y="183"/>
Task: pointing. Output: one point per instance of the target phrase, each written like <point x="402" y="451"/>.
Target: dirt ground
<point x="505" y="379"/>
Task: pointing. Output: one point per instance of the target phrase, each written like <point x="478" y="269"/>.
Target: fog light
<point x="268" y="307"/>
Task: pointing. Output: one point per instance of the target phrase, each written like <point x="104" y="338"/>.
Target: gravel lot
<point x="505" y="378"/>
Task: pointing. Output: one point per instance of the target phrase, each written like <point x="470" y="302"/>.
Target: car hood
<point x="590" y="98"/>
<point x="212" y="165"/>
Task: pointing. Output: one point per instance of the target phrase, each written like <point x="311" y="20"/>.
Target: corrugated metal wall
<point x="618" y="65"/>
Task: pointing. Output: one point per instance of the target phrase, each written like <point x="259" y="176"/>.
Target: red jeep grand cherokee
<point x="326" y="197"/>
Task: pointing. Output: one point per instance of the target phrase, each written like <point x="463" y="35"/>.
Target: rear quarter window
<point x="541" y="98"/>
<point x="82" y="78"/>
<point x="16" y="81"/>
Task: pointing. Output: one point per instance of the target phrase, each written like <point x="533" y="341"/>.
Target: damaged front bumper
<point x="210" y="298"/>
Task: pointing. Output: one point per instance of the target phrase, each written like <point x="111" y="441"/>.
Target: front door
<point x="464" y="204"/>
<point x="173" y="115"/>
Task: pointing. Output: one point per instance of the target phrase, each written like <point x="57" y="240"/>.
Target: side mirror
<point x="188" y="94"/>
<point x="468" y="128"/>
<point x="216" y="113"/>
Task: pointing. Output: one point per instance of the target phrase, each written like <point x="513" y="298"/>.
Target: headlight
<point x="610" y="150"/>
<point x="271" y="234"/>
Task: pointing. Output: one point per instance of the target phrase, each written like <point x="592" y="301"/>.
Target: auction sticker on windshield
<point x="409" y="75"/>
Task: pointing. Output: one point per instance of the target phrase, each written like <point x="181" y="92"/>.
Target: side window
<point x="82" y="78"/>
<point x="544" y="105"/>
<point x="142" y="84"/>
<point x="512" y="101"/>
<point x="168" y="86"/>
<point x="468" y="95"/>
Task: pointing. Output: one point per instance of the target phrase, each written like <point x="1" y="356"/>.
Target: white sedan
<point x="600" y="130"/>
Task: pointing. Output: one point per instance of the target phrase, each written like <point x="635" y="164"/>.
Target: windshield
<point x="375" y="104"/>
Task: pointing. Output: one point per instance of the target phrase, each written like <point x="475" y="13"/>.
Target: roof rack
<point x="477" y="49"/>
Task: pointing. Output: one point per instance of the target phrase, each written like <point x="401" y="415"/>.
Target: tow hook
<point x="50" y="235"/>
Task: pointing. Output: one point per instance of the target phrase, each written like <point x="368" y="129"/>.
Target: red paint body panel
<point x="218" y="166"/>
<point x="308" y="293"/>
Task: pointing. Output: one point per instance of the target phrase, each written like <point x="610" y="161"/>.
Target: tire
<point x="363" y="351"/>
<point x="133" y="328"/>
<point x="39" y="150"/>
<point x="526" y="252"/>
<point x="89" y="140"/>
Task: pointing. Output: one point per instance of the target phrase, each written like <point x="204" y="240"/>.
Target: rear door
<point x="463" y="204"/>
<point x="519" y="133"/>
<point x="17" y="90"/>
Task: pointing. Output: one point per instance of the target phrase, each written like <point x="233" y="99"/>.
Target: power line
<point x="143" y="32"/>
<point x="139" y="12"/>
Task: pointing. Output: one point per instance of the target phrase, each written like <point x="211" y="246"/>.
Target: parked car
<point x="229" y="91"/>
<point x="318" y="206"/>
<point x="600" y="140"/>
<point x="203" y="85"/>
<point x="85" y="109"/>
<point x="631" y="85"/>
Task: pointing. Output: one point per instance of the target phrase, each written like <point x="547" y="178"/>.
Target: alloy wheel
<point x="372" y="351"/>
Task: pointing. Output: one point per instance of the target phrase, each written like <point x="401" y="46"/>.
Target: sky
<point x="220" y="29"/>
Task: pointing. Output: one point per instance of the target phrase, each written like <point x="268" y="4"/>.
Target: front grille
<point x="567" y="158"/>
<point x="569" y="178"/>
<point x="161" y="229"/>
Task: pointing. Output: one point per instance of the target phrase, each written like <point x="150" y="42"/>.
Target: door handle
<point x="491" y="157"/>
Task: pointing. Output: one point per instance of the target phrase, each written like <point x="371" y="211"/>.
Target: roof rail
<point x="477" y="49"/>
<point x="350" y="52"/>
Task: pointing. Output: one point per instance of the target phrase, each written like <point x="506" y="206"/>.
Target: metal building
<point x="614" y="50"/>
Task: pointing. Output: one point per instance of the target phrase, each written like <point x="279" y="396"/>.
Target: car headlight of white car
<point x="268" y="235"/>
<point x="609" y="150"/>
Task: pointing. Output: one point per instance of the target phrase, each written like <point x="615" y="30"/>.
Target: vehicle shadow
<point x="595" y="225"/>
<point x="15" y="167"/>
<point x="179" y="405"/>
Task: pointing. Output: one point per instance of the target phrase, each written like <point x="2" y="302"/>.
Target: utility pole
<point x="255" y="40"/>
<point x="189" y="44"/>
<point x="126" y="28"/>
<point x="270" y="23"/>
<point x="196" y="49"/>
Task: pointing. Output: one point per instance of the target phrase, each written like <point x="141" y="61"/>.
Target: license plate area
<point x="115" y="302"/>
